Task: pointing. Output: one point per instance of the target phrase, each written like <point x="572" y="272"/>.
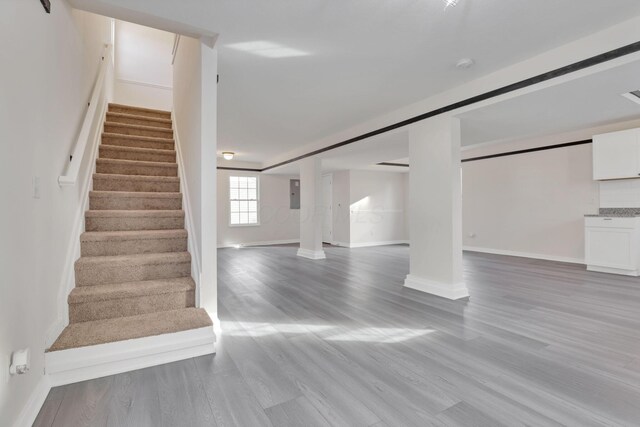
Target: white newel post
<point x="435" y="208"/>
<point x="311" y="209"/>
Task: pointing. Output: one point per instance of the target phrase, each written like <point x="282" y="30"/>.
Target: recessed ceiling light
<point x="465" y="63"/>
<point x="633" y="96"/>
<point x="228" y="155"/>
<point x="268" y="49"/>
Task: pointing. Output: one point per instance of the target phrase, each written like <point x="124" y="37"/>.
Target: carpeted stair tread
<point x="130" y="289"/>
<point x="117" y="108"/>
<point x="135" y="200"/>
<point x="101" y="270"/>
<point x="114" y="127"/>
<point x="124" y="140"/>
<point x="133" y="153"/>
<point x="132" y="183"/>
<point x="109" y="243"/>
<point x="129" y="194"/>
<point x="125" y="328"/>
<point x="134" y="213"/>
<point x="123" y="220"/>
<point x="136" y="167"/>
<point x="132" y="118"/>
<point x="125" y="260"/>
<point x="93" y="236"/>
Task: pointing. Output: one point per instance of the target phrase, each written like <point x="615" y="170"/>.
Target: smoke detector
<point x="465" y="63"/>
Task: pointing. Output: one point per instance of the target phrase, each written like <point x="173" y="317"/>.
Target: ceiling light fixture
<point x="448" y="3"/>
<point x="228" y="155"/>
<point x="465" y="63"/>
<point x="268" y="49"/>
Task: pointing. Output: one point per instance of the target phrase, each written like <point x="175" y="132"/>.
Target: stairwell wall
<point x="195" y="123"/>
<point x="48" y="72"/>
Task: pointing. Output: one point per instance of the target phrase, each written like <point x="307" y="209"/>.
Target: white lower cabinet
<point x="611" y="245"/>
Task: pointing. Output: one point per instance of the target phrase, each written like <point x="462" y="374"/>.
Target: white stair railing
<point x="90" y="130"/>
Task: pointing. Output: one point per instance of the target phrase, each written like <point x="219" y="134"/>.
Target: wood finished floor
<point x="340" y="342"/>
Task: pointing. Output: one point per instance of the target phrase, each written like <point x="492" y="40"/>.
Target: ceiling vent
<point x="633" y="96"/>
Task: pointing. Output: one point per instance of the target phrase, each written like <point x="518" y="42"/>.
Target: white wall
<point x="143" y="71"/>
<point x="278" y="223"/>
<point x="620" y="193"/>
<point x="49" y="65"/>
<point x="195" y="114"/>
<point x="534" y="204"/>
<point x="377" y="202"/>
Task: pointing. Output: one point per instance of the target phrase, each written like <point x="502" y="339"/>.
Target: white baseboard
<point x="309" y="254"/>
<point x="611" y="270"/>
<point x="262" y="243"/>
<point x="96" y="361"/>
<point x="450" y="291"/>
<point x="370" y="244"/>
<point x="30" y="411"/>
<point x="524" y="255"/>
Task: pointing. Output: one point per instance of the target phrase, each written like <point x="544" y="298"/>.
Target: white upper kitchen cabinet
<point x="616" y="155"/>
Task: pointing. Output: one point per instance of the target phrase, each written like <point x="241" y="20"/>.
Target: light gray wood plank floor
<point x="340" y="342"/>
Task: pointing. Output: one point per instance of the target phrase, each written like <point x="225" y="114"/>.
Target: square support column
<point x="311" y="210"/>
<point x="435" y="208"/>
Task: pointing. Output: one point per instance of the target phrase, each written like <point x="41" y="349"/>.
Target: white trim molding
<point x="137" y="83"/>
<point x="309" y="254"/>
<point x="524" y="255"/>
<point x="451" y="291"/>
<point x="262" y="243"/>
<point x="31" y="410"/>
<point x="196" y="269"/>
<point x="370" y="244"/>
<point x="96" y="361"/>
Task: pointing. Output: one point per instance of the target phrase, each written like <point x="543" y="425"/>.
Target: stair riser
<point x="101" y="184"/>
<point x="134" y="143"/>
<point x="114" y="153"/>
<point x="136" y="112"/>
<point x="97" y="310"/>
<point x="119" y="169"/>
<point x="133" y="223"/>
<point x="138" y="121"/>
<point x="157" y="133"/>
<point x="134" y="203"/>
<point x="137" y="246"/>
<point x="104" y="274"/>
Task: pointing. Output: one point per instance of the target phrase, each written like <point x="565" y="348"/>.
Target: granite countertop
<point x="616" y="213"/>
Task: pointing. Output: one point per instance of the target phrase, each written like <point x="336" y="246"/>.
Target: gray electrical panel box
<point x="294" y="194"/>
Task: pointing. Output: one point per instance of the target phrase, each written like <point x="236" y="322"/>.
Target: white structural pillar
<point x="435" y="208"/>
<point x="311" y="209"/>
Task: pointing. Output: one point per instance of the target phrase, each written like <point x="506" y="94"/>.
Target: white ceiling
<point x="581" y="103"/>
<point x="361" y="155"/>
<point x="360" y="58"/>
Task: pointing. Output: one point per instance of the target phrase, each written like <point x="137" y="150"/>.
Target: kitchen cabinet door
<point x="616" y="155"/>
<point x="611" y="247"/>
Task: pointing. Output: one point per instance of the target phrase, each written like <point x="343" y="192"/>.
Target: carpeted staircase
<point x="133" y="278"/>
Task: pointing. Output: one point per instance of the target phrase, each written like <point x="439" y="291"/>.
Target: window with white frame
<point x="243" y="199"/>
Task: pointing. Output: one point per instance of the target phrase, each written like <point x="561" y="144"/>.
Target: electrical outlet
<point x="19" y="362"/>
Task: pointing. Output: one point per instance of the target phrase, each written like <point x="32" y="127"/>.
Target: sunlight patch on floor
<point x="379" y="335"/>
